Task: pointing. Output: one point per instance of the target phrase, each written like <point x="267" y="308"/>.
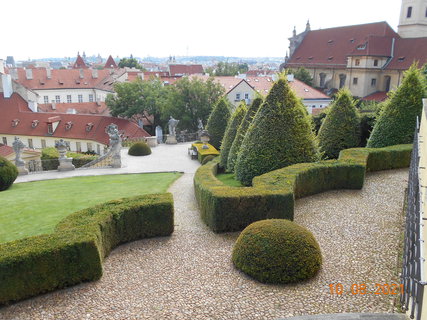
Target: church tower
<point x="413" y="19"/>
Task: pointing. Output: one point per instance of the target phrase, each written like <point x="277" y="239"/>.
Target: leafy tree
<point x="341" y="127"/>
<point x="241" y="132"/>
<point x="231" y="131"/>
<point x="130" y="63"/>
<point x="228" y="69"/>
<point x="133" y="98"/>
<point x="190" y="99"/>
<point x="302" y="74"/>
<point x="280" y="135"/>
<point x="396" y="122"/>
<point x="217" y="122"/>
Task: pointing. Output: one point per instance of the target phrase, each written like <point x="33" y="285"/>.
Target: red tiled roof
<point x="110" y="63"/>
<point x="5" y="150"/>
<point x="79" y="64"/>
<point x="99" y="108"/>
<point x="407" y="51"/>
<point x="10" y="111"/>
<point x="63" y="79"/>
<point x="330" y="47"/>
<point x="184" y="69"/>
<point x="376" y="96"/>
<point x="374" y="46"/>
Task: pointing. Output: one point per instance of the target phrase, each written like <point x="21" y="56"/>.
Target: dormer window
<point x="330" y="42"/>
<point x="89" y="126"/>
<point x="49" y="128"/>
<point x="401" y="59"/>
<point x="361" y="46"/>
<point x="34" y="123"/>
<point x="68" y="125"/>
<point x="330" y="58"/>
<point x="15" y="122"/>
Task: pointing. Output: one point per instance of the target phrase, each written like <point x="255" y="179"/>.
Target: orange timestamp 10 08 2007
<point x="363" y="289"/>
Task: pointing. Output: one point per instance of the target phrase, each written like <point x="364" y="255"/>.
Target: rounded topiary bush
<point x="8" y="173"/>
<point x="207" y="159"/>
<point x="277" y="251"/>
<point x="139" y="149"/>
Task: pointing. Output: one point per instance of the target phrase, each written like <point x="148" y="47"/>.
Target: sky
<point x="242" y="28"/>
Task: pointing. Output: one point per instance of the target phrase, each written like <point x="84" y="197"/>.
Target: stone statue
<point x="199" y="124"/>
<point x="172" y="126"/>
<point x="18" y="147"/>
<point x="115" y="144"/>
<point x="65" y="163"/>
<point x="62" y="147"/>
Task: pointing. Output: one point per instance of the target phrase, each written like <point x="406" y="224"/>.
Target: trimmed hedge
<point x="203" y="153"/>
<point x="139" y="149"/>
<point x="230" y="133"/>
<point x="224" y="208"/>
<point x="8" y="173"/>
<point x="207" y="159"/>
<point x="277" y="251"/>
<point x="50" y="157"/>
<point x="75" y="251"/>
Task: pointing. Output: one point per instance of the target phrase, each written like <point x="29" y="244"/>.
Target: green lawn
<point x="229" y="180"/>
<point x="34" y="208"/>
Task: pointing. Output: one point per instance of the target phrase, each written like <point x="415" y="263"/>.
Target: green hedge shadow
<point x="272" y="196"/>
<point x="75" y="251"/>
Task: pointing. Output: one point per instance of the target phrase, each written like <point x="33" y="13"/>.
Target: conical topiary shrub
<point x="341" y="127"/>
<point x="241" y="132"/>
<point x="396" y="123"/>
<point x="230" y="132"/>
<point x="217" y="122"/>
<point x="279" y="135"/>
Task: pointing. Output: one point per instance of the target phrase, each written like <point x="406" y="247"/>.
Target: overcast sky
<point x="51" y="28"/>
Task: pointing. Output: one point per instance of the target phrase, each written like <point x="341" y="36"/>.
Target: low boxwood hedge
<point x="203" y="153"/>
<point x="75" y="251"/>
<point x="50" y="157"/>
<point x="224" y="208"/>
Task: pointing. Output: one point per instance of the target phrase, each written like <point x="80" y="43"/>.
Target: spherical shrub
<point x="277" y="251"/>
<point x="8" y="173"/>
<point x="207" y="159"/>
<point x="139" y="149"/>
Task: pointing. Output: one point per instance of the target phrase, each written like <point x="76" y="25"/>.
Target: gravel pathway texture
<point x="190" y="275"/>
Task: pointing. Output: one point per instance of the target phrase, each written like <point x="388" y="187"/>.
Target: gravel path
<point x="189" y="275"/>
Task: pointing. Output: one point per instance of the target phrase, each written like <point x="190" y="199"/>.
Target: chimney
<point x="14" y="73"/>
<point x="7" y="85"/>
<point x="1" y="66"/>
<point x="290" y="77"/>
<point x="29" y="74"/>
<point x="53" y="105"/>
<point x="49" y="73"/>
<point x="82" y="75"/>
<point x="95" y="73"/>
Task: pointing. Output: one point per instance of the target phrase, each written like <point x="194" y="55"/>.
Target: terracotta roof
<point x="25" y="121"/>
<point x="374" y="46"/>
<point x="66" y="79"/>
<point x="99" y="108"/>
<point x="5" y="150"/>
<point x="110" y="63"/>
<point x="184" y="69"/>
<point x="79" y="64"/>
<point x="330" y="47"/>
<point x="376" y="96"/>
<point x="407" y="51"/>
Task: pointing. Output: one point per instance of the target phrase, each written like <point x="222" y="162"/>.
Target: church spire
<point x="307" y="26"/>
<point x="413" y="19"/>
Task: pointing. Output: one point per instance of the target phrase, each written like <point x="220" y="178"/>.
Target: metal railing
<point x="413" y="277"/>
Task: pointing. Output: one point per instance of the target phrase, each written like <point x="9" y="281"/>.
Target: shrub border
<point x="225" y="209"/>
<point x="75" y="251"/>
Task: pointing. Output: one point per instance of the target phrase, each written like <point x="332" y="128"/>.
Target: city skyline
<point x="41" y="29"/>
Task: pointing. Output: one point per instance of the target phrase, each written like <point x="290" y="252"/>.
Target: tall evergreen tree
<point x="397" y="120"/>
<point x="341" y="127"/>
<point x="241" y="132"/>
<point x="230" y="132"/>
<point x="217" y="122"/>
<point x="280" y="135"/>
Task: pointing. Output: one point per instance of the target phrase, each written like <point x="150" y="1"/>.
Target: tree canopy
<point x="228" y="69"/>
<point x="302" y="74"/>
<point x="130" y="63"/>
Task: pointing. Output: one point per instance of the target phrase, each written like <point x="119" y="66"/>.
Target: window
<point x="43" y="143"/>
<point x="58" y="99"/>
<point x="91" y="98"/>
<point x="5" y="141"/>
<point x="237" y="96"/>
<point x="322" y="79"/>
<point x="80" y="97"/>
<point x="46" y="99"/>
<point x="355" y="81"/>
<point x="373" y="82"/>
<point x="89" y="146"/>
<point x="357" y="62"/>
<point x="30" y="143"/>
<point x="69" y="98"/>
<point x="78" y="147"/>
<point x="246" y="96"/>
<point x="98" y="149"/>
<point x="49" y="128"/>
<point x="376" y="63"/>
<point x="342" y="80"/>
<point x="409" y="12"/>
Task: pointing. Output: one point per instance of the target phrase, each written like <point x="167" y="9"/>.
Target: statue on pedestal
<point x="65" y="163"/>
<point x="18" y="147"/>
<point x="115" y="144"/>
<point x="171" y="138"/>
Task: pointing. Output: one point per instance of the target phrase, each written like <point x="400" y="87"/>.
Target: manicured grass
<point x="34" y="208"/>
<point x="229" y="180"/>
